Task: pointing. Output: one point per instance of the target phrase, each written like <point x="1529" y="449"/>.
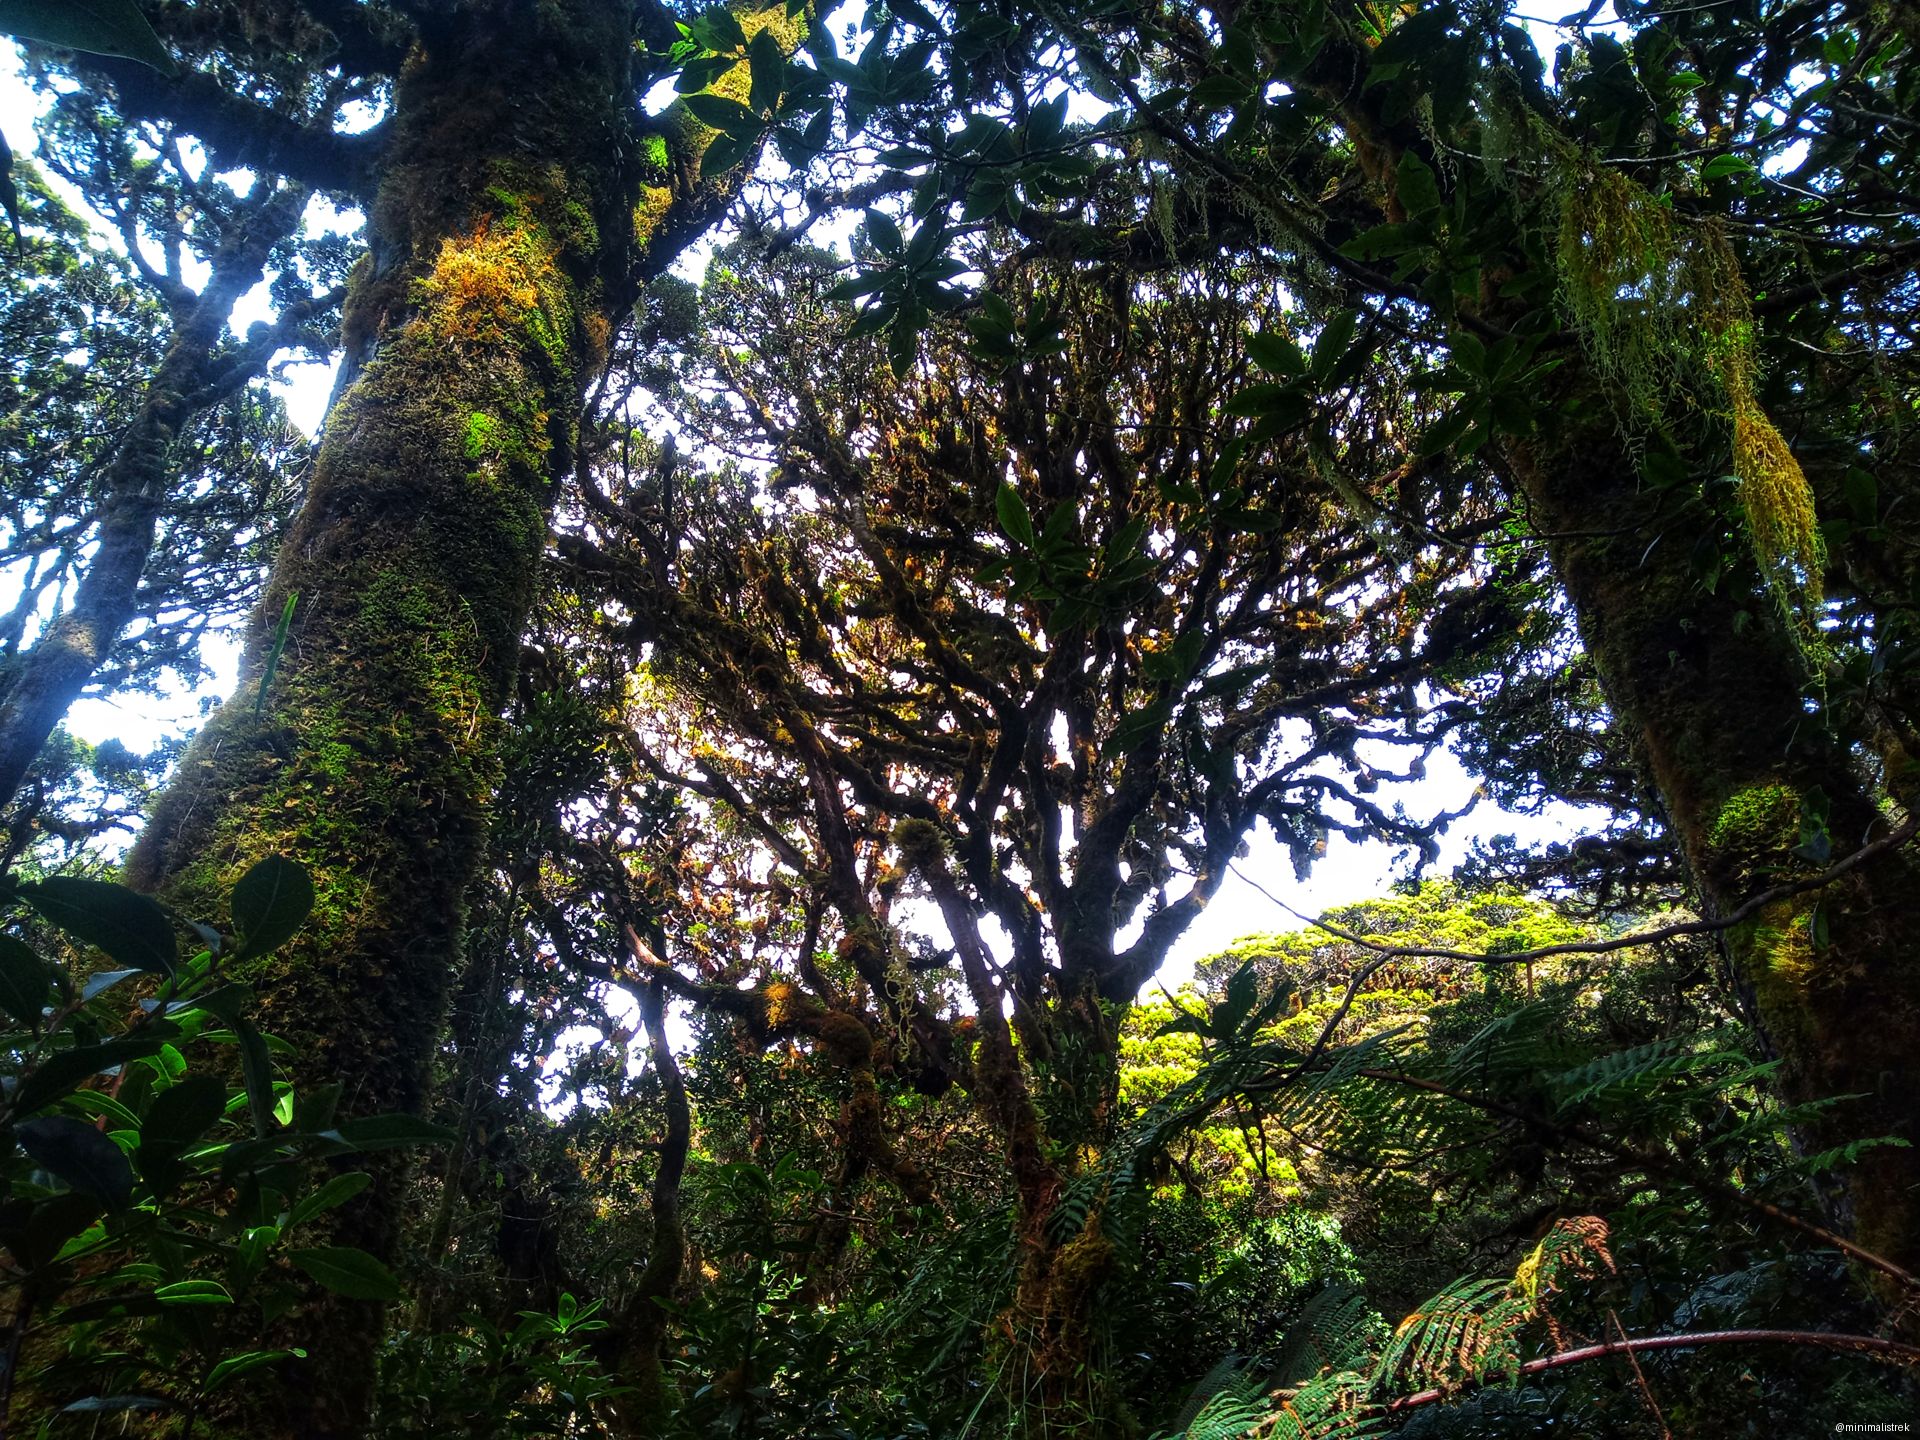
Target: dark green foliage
<point x="150" y="1208"/>
<point x="1216" y="413"/>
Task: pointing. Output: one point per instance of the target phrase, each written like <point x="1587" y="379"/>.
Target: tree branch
<point x="242" y="133"/>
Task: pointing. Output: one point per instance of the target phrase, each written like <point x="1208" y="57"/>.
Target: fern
<point x="1331" y="1407"/>
<point x="1232" y="1407"/>
<point x="1336" y="1379"/>
<point x="1336" y="1330"/>
<point x="1463" y="1334"/>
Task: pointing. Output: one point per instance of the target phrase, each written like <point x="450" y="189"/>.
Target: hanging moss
<point x="1665" y="315"/>
<point x="1619" y="273"/>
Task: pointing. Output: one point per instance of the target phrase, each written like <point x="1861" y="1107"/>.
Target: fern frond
<point x="1460" y="1336"/>
<point x="1336" y="1330"/>
<point x="1330" y="1407"/>
<point x="1232" y="1410"/>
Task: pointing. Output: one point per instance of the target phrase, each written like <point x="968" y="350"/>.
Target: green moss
<point x="1754" y="830"/>
<point x="483" y="433"/>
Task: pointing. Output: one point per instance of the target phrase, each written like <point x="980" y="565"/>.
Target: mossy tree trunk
<point x="1714" y="685"/>
<point x="500" y="249"/>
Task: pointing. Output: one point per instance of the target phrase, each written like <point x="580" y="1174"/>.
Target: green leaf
<point x="1722" y="166"/>
<point x="724" y="152"/>
<point x="902" y="345"/>
<point x="80" y="1155"/>
<point x="269" y="904"/>
<point x="769" y="68"/>
<point x="1227" y="464"/>
<point x="128" y="926"/>
<point x="99" y="27"/>
<point x="1242" y="990"/>
<point x="336" y="1192"/>
<point x="235" y="1365"/>
<point x="1013" y="516"/>
<point x="116" y="1404"/>
<point x="723" y="114"/>
<point x="1416" y="187"/>
<point x="699" y="74"/>
<point x="314" y="1110"/>
<point x="181" y="1114"/>
<point x="65" y="1069"/>
<point x="227" y="1003"/>
<point x="884" y="234"/>
<point x="1265" y="398"/>
<point x="996" y="313"/>
<point x="389" y="1132"/>
<point x="101" y="981"/>
<point x="97" y="1105"/>
<point x="272" y="667"/>
<point x="1383" y="242"/>
<point x="1330" y="348"/>
<point x="718" y="29"/>
<point x="193" y="1292"/>
<point x="26" y="981"/>
<point x="347" y="1271"/>
<point x="1445" y="433"/>
<point x="1277" y="355"/>
<point x="256" y="1068"/>
<point x="1218" y="90"/>
<point x="48" y="1226"/>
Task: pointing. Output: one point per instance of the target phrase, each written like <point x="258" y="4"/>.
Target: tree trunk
<point x="39" y="689"/>
<point x="643" y="1328"/>
<point x="1715" y="686"/>
<point x="500" y="248"/>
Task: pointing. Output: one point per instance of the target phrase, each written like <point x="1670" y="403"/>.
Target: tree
<point x="1234" y="476"/>
<point x="1625" y="272"/>
<point x="515" y="199"/>
<point x="976" y="703"/>
<point x="143" y="461"/>
<point x="158" y="417"/>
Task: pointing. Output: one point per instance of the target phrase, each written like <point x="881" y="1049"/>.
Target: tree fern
<point x="1337" y="1330"/>
<point x="1464" y="1334"/>
<point x="1339" y="1373"/>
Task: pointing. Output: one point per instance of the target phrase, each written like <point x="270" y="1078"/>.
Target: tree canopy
<point x="839" y="538"/>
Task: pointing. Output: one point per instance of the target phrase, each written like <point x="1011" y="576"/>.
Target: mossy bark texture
<point x="1715" y="685"/>
<point x="500" y="242"/>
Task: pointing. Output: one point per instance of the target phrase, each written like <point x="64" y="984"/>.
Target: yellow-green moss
<point x="483" y="433"/>
<point x="1664" y="315"/>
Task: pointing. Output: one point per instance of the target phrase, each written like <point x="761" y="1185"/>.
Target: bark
<point x="499" y="248"/>
<point x="644" y="1328"/>
<point x="42" y="685"/>
<point x="1714" y="686"/>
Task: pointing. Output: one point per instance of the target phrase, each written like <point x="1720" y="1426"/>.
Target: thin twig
<point x="1741" y="913"/>
<point x="1870" y="1345"/>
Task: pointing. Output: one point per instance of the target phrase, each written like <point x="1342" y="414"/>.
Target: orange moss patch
<point x="494" y="286"/>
